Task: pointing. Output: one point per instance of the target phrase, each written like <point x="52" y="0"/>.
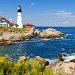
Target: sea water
<point x="45" y="48"/>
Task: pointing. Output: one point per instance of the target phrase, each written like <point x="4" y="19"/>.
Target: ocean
<point x="45" y="48"/>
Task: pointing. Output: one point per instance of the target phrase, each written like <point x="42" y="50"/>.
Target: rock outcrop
<point x="61" y="57"/>
<point x="64" y="68"/>
<point x="22" y="59"/>
<point x="8" y="37"/>
<point x="73" y="60"/>
<point x="50" y="33"/>
<point x="36" y="32"/>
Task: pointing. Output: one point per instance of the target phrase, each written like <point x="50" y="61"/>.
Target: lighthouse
<point x="19" y="17"/>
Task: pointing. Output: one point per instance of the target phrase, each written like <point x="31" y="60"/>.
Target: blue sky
<point x="40" y="12"/>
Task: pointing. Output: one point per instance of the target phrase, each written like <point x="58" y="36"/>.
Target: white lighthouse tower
<point x="19" y="18"/>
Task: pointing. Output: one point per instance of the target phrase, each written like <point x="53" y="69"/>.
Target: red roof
<point x="28" y="24"/>
<point x="1" y="18"/>
<point x="4" y="19"/>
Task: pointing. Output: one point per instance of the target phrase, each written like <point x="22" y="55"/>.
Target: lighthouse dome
<point x="19" y="9"/>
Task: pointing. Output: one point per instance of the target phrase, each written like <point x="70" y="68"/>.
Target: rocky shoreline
<point x="8" y="35"/>
<point x="63" y="68"/>
<point x="66" y="66"/>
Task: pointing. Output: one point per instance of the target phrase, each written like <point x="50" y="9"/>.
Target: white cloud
<point x="32" y="4"/>
<point x="63" y="22"/>
<point x="58" y="18"/>
<point x="64" y="14"/>
<point x="10" y="19"/>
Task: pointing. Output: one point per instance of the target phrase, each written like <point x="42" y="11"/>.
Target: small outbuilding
<point x="28" y="25"/>
<point x="14" y="25"/>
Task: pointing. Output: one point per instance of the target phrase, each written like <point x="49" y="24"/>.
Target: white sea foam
<point x="32" y="41"/>
<point x="68" y="58"/>
<point x="27" y="39"/>
<point x="62" y="37"/>
<point x="69" y="34"/>
<point x="52" y="38"/>
<point x="45" y="39"/>
<point x="51" y="61"/>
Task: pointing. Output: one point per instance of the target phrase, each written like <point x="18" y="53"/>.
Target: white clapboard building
<point x="4" y="22"/>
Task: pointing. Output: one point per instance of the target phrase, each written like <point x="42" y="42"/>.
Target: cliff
<point x="9" y="35"/>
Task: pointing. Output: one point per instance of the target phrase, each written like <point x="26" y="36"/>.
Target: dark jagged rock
<point x="60" y="57"/>
<point x="73" y="60"/>
<point x="46" y="63"/>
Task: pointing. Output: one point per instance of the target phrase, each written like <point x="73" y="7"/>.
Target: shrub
<point x="30" y="67"/>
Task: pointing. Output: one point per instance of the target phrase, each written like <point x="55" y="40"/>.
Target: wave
<point x="68" y="58"/>
<point x="32" y="40"/>
<point x="51" y="61"/>
<point x="68" y="39"/>
<point x="53" y="38"/>
<point x="45" y="39"/>
<point x="69" y="34"/>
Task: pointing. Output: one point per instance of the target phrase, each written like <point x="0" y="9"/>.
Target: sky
<point x="40" y="12"/>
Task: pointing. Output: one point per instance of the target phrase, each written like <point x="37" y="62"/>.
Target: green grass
<point x="9" y="29"/>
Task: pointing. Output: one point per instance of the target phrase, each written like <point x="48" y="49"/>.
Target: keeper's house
<point x="7" y="23"/>
<point x="4" y="22"/>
